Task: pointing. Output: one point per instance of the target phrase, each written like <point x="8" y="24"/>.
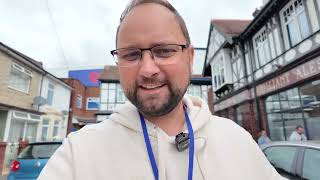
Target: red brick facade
<point x="88" y="116"/>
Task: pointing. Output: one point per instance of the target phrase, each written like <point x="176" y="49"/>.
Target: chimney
<point x="256" y="12"/>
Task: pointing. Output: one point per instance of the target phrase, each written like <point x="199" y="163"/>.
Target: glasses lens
<point x="166" y="51"/>
<point x="127" y="57"/>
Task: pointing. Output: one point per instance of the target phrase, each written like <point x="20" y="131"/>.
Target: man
<point x="263" y="139"/>
<point x="155" y="57"/>
<point x="298" y="134"/>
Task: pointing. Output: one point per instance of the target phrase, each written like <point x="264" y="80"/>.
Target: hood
<point x="128" y="116"/>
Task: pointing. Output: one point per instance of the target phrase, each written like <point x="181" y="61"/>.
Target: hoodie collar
<point x="127" y="115"/>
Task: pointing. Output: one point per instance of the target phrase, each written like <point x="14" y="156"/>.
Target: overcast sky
<point x="78" y="34"/>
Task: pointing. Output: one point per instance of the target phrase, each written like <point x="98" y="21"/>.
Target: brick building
<point x="84" y="105"/>
<point x="266" y="74"/>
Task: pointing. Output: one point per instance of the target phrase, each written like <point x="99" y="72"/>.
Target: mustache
<point x="145" y="80"/>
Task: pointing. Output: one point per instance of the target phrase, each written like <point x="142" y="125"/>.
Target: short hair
<point x="165" y="3"/>
<point x="299" y="126"/>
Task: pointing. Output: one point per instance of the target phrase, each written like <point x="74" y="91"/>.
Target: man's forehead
<point x="150" y="21"/>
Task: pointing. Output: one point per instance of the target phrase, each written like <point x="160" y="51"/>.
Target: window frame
<point x="261" y="44"/>
<point x="25" y="72"/>
<point x="91" y="99"/>
<point x="79" y="97"/>
<point x="51" y="87"/>
<point x="294" y="17"/>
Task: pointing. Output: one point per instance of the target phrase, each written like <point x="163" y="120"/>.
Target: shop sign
<point x="302" y="72"/>
<point x="236" y="99"/>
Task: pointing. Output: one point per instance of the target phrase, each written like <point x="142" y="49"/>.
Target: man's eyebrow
<point x="160" y="43"/>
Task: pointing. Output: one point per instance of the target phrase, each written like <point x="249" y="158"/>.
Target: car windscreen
<point x="38" y="151"/>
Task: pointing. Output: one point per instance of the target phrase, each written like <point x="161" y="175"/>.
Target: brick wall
<point x="85" y="92"/>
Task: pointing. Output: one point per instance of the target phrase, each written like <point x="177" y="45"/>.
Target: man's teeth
<point x="151" y="86"/>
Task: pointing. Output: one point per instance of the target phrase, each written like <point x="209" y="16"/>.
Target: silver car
<point x="295" y="160"/>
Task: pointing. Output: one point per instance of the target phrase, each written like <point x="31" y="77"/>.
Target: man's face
<point x="300" y="130"/>
<point x="155" y="89"/>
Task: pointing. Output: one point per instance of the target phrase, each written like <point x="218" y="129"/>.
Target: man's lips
<point x="151" y="86"/>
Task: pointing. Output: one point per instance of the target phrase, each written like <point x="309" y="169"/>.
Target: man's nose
<point x="148" y="67"/>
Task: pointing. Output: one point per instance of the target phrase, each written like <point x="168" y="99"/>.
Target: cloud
<point x="79" y="34"/>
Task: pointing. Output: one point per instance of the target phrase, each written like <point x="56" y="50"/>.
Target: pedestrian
<point x="161" y="133"/>
<point x="263" y="138"/>
<point x="298" y="134"/>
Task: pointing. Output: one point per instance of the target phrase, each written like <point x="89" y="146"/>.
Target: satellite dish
<point x="39" y="101"/>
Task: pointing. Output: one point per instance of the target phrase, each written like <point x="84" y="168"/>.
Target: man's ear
<point x="191" y="56"/>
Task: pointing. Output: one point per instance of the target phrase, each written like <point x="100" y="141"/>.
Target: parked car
<point x="31" y="160"/>
<point x="295" y="160"/>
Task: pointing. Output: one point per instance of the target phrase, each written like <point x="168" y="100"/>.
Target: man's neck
<point x="171" y="123"/>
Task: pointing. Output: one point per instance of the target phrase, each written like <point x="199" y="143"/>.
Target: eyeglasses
<point x="162" y="54"/>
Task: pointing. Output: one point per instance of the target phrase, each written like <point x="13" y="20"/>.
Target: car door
<point x="283" y="159"/>
<point x="311" y="164"/>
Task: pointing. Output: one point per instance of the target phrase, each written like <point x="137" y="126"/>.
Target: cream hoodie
<point x="115" y="150"/>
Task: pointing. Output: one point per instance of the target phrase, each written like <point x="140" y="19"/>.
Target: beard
<point x="151" y="105"/>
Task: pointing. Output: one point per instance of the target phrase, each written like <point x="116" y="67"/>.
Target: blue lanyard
<point x="150" y="152"/>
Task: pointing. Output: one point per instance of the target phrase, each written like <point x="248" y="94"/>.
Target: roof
<point x="110" y="73"/>
<point x="230" y="27"/>
<point x="34" y="64"/>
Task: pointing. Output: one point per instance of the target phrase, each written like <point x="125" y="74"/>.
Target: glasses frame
<point x="183" y="46"/>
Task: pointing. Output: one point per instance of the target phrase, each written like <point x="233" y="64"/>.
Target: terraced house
<point x="34" y="104"/>
<point x="266" y="72"/>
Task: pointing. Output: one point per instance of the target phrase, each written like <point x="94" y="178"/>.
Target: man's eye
<point x="130" y="56"/>
<point x="164" y="52"/>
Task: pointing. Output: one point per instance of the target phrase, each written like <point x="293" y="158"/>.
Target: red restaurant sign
<point x="302" y="72"/>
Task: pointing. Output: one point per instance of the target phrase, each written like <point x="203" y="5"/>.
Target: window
<point x="50" y="93"/>
<point x="311" y="164"/>
<point x="296" y="25"/>
<point x="281" y="157"/>
<point x="111" y="95"/>
<point x="38" y="151"/>
<point x="20" y="78"/>
<point x="284" y="113"/>
<point x="310" y="101"/>
<point x="194" y="90"/>
<point x="218" y="73"/>
<point x="120" y="95"/>
<point x="262" y="50"/>
<point x="56" y="128"/>
<point x="199" y="91"/>
<point x="45" y="127"/>
<point x="93" y="103"/>
<point x="296" y="106"/>
<point x="23" y="127"/>
<point x="79" y="101"/>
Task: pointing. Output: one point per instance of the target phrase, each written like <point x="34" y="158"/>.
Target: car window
<point x="38" y="151"/>
<point x="311" y="164"/>
<point x="281" y="157"/>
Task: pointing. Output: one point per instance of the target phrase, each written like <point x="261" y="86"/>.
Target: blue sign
<point x="87" y="77"/>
